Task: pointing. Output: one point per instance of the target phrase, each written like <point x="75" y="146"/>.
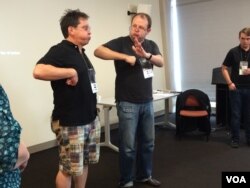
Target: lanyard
<point x="242" y="55"/>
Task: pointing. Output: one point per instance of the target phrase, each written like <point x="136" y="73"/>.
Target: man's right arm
<point x="107" y="54"/>
<point x="225" y="73"/>
<point x="49" y="73"/>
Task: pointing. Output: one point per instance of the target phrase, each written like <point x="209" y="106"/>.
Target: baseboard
<point x="53" y="143"/>
<point x="42" y="146"/>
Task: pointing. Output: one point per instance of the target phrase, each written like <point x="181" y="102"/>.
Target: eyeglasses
<point x="140" y="28"/>
<point x="86" y="28"/>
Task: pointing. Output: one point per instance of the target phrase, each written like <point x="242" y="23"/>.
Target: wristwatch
<point x="149" y="57"/>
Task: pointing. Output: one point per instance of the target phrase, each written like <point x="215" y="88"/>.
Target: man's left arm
<point x="156" y="60"/>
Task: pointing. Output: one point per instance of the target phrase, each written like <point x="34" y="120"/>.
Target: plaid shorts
<point x="78" y="146"/>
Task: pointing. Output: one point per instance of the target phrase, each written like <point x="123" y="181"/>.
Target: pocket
<point x="125" y="110"/>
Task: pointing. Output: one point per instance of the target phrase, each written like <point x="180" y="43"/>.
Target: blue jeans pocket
<point x="125" y="110"/>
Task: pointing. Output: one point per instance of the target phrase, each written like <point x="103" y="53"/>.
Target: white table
<point x="108" y="103"/>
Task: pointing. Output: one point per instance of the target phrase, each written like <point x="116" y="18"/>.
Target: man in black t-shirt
<point x="74" y="117"/>
<point x="134" y="57"/>
<point x="239" y="86"/>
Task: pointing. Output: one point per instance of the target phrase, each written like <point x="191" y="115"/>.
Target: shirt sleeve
<point x="52" y="57"/>
<point x="115" y="44"/>
<point x="228" y="59"/>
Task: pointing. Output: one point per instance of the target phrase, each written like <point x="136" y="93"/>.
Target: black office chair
<point x="193" y="112"/>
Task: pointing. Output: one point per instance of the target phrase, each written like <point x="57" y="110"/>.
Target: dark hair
<point x="143" y="15"/>
<point x="245" y="30"/>
<point x="71" y="18"/>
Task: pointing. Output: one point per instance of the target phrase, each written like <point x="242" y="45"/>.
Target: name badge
<point x="92" y="80"/>
<point x="243" y="66"/>
<point x="147" y="68"/>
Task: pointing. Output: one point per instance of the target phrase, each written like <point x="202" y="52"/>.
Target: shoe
<point x="121" y="186"/>
<point x="127" y="185"/>
<point x="151" y="182"/>
<point x="234" y="144"/>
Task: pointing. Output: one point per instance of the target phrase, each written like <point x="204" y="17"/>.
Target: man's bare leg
<point x="63" y="180"/>
<point x="80" y="181"/>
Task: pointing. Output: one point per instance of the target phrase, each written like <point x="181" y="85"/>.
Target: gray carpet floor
<point x="187" y="163"/>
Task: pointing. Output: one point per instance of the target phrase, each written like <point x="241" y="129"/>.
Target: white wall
<point x="32" y="27"/>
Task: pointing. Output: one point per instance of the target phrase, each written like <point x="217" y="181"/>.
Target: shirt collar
<point x="72" y="45"/>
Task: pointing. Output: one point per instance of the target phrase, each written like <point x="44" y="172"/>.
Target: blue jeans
<point x="240" y="112"/>
<point x="136" y="140"/>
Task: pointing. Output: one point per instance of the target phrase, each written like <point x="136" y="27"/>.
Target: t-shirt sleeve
<point x="151" y="47"/>
<point x="52" y="57"/>
<point x="156" y="50"/>
<point x="228" y="59"/>
<point x="114" y="44"/>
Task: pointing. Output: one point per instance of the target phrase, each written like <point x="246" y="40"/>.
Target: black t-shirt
<point x="130" y="84"/>
<point x="232" y="59"/>
<point x="73" y="105"/>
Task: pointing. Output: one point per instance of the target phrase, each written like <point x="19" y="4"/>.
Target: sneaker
<point x="127" y="185"/>
<point x="151" y="182"/>
<point x="234" y="144"/>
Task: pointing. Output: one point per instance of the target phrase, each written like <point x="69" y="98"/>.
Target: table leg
<point x="107" y="141"/>
<point x="166" y="123"/>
